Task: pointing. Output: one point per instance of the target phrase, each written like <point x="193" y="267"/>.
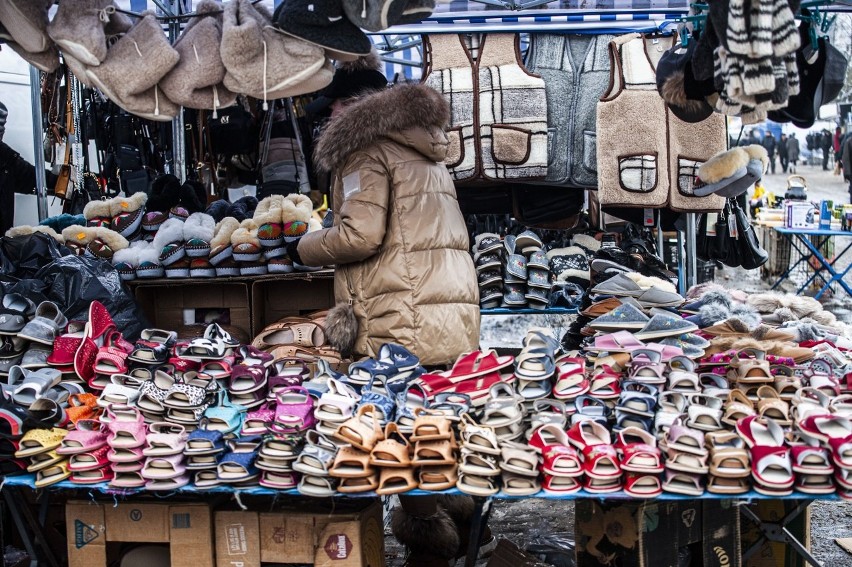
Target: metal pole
<point x="691" y="247"/>
<point x="178" y="127"/>
<point x="38" y="143"/>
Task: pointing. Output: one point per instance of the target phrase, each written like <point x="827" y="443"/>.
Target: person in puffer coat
<point x="399" y="241"/>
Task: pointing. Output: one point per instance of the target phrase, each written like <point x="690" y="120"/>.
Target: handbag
<point x="751" y="254"/>
<point x="233" y="132"/>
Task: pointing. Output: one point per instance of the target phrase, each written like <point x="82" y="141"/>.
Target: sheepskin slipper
<point x="245" y="244"/>
<point x="178" y="269"/>
<point x="280" y="265"/>
<point x="178" y="212"/>
<point x="80" y="28"/>
<point x="276" y="252"/>
<point x="98" y="213"/>
<point x="149" y="264"/>
<point x="78" y="237"/>
<point x="201" y="268"/>
<point x="227" y="268"/>
<point x="198" y="232"/>
<point x="757" y="164"/>
<point x="220" y="245"/>
<point x="125" y="262"/>
<point x="267" y="215"/>
<point x="152" y="221"/>
<point x="26" y="21"/>
<point x="106" y="243"/>
<point x="169" y="242"/>
<point x="26" y="230"/>
<point x="720" y="171"/>
<point x="253" y="269"/>
<point x="127" y="214"/>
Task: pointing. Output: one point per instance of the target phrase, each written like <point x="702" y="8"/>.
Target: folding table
<point x="800" y="240"/>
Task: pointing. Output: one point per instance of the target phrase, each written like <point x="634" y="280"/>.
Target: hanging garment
<point x="498" y="123"/>
<point x="575" y="70"/>
<point x="647" y="157"/>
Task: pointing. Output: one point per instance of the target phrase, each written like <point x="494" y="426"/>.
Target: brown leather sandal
<point x="430" y="453"/>
<point x="351" y="463"/>
<point x="393" y="451"/>
<point x="395" y="481"/>
<point x="361" y="432"/>
<point x="297" y="331"/>
<point x="438" y="477"/>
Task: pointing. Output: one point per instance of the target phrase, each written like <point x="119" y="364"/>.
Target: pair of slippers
<point x="731" y="173"/>
<point x="168" y="193"/>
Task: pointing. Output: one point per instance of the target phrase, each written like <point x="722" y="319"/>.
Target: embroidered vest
<point x="647" y="157"/>
<point x="575" y="69"/>
<point x="498" y="123"/>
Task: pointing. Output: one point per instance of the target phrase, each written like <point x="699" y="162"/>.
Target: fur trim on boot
<point x="200" y="226"/>
<point x="127" y="204"/>
<point x="825" y="318"/>
<point x="747" y="315"/>
<point x="223" y="232"/>
<point x="698" y="291"/>
<point x="111" y="238"/>
<point x="436" y="535"/>
<point x="98" y="210"/>
<point x="301" y="211"/>
<point x="129" y="256"/>
<point x="27" y="230"/>
<point x="79" y="234"/>
<point x="170" y="231"/>
<point x="341" y="328"/>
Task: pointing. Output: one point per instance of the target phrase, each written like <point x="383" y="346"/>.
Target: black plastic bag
<point x="73" y="282"/>
<point x="21" y="257"/>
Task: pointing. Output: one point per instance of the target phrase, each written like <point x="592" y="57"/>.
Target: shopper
<point x="846" y="160"/>
<point x="403" y="270"/>
<point x="825" y="144"/>
<point x="769" y="144"/>
<point x="837" y="147"/>
<point x="17" y="175"/>
<point x="793" y="151"/>
<point x="782" y="153"/>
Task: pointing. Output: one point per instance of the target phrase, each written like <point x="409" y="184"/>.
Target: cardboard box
<point x="507" y="554"/>
<point x="321" y="538"/>
<point x="173" y="306"/>
<point x="92" y="526"/>
<point x="776" y="554"/>
<point x="237" y="539"/>
<point x="290" y="295"/>
<point x="649" y="534"/>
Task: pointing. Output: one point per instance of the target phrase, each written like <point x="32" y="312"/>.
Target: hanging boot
<point x="80" y="28"/>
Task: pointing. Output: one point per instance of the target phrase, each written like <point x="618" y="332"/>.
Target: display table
<point x="771" y="531"/>
<point x="800" y="240"/>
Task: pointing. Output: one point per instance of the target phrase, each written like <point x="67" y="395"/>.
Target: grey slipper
<point x="516" y="266"/>
<point x="737" y="188"/>
<point x="35" y="385"/>
<point x="45" y="325"/>
<point x="35" y="357"/>
<point x="665" y="326"/>
<point x="701" y="189"/>
<point x="527" y="240"/>
<point x="486" y="260"/>
<point x="538" y="295"/>
<point x="656" y="297"/>
<point x="619" y="285"/>
<point x="15" y="313"/>
<point x="513" y="295"/>
<point x="624" y="316"/>
<point x="538" y="260"/>
<point x="538" y="278"/>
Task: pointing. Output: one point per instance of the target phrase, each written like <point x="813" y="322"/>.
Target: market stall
<point x="176" y="334"/>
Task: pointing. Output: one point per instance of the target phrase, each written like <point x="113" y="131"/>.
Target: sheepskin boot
<point x="26" y="21"/>
<point x="127" y="214"/>
<point x="268" y="215"/>
<point x="133" y="68"/>
<point x="720" y="171"/>
<point x="193" y="197"/>
<point x="218" y="209"/>
<point x="79" y="28"/>
<point x="196" y="81"/>
<point x="25" y="230"/>
<point x="426" y="530"/>
<point x="98" y="213"/>
<point x="198" y="233"/>
<point x="169" y="242"/>
<point x="77" y="237"/>
<point x="297" y="211"/>
<point x="220" y="245"/>
<point x="106" y="243"/>
<point x="261" y="62"/>
<point x="245" y="243"/>
<point x="149" y="266"/>
<point x="165" y="193"/>
<point x="126" y="261"/>
<point x="243" y="208"/>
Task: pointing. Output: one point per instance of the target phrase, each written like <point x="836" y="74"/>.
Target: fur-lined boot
<point x="169" y="242"/>
<point x="127" y="214"/>
<point x="106" y="243"/>
<point x="297" y="211"/>
<point x="80" y="28"/>
<point x="198" y="233"/>
<point x="98" y="213"/>
<point x="27" y="230"/>
<point x="220" y="246"/>
<point x="245" y="243"/>
<point x="427" y="531"/>
<point x="126" y="261"/>
<point x="78" y="237"/>
<point x="149" y="262"/>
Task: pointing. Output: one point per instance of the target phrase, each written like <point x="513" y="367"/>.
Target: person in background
<point x="769" y="144"/>
<point x="846" y="160"/>
<point x="782" y="153"/>
<point x="793" y="151"/>
<point x="837" y="147"/>
<point x="17" y="175"/>
<point x="825" y="144"/>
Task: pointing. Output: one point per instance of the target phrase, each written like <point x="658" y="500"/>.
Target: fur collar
<point x="377" y="115"/>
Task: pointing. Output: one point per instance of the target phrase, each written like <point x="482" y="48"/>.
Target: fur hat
<point x="133" y="68"/>
<point x="374" y="15"/>
<point x="26" y="21"/>
<point x="323" y="23"/>
<point x="685" y="96"/>
<point x="264" y="64"/>
<point x="196" y="81"/>
<point x="80" y="28"/>
<point x="27" y="230"/>
<point x="351" y="79"/>
<point x="47" y="60"/>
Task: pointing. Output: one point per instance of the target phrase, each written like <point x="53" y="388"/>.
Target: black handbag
<point x="751" y="254"/>
<point x="234" y="131"/>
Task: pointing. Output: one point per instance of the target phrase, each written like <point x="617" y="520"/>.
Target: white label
<point x="351" y="184"/>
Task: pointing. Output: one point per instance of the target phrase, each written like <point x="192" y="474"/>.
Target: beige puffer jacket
<point x="399" y="240"/>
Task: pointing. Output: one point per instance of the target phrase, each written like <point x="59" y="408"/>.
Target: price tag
<point x="649" y="217"/>
<point x="712" y="219"/>
<point x="732" y="227"/>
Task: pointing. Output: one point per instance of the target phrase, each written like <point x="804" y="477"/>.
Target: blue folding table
<point x="801" y="241"/>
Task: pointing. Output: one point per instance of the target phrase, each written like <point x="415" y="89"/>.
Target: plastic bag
<point x="556" y="549"/>
<point x="21" y="257"/>
<point x="73" y="282"/>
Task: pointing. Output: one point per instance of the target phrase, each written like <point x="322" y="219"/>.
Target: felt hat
<point x="374" y="15"/>
<point x="196" y="81"/>
<point x="352" y="78"/>
<point x="264" y="64"/>
<point x="26" y="21"/>
<point x="133" y="68"/>
<point x="81" y="28"/>
<point x="322" y="23"/>
<point x="416" y="10"/>
<point x="683" y="93"/>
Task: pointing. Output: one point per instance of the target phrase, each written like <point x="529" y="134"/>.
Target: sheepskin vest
<point x="647" y="157"/>
<point x="575" y="70"/>
<point x="498" y="121"/>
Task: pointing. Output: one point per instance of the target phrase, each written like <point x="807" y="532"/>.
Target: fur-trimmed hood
<point x="411" y="114"/>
